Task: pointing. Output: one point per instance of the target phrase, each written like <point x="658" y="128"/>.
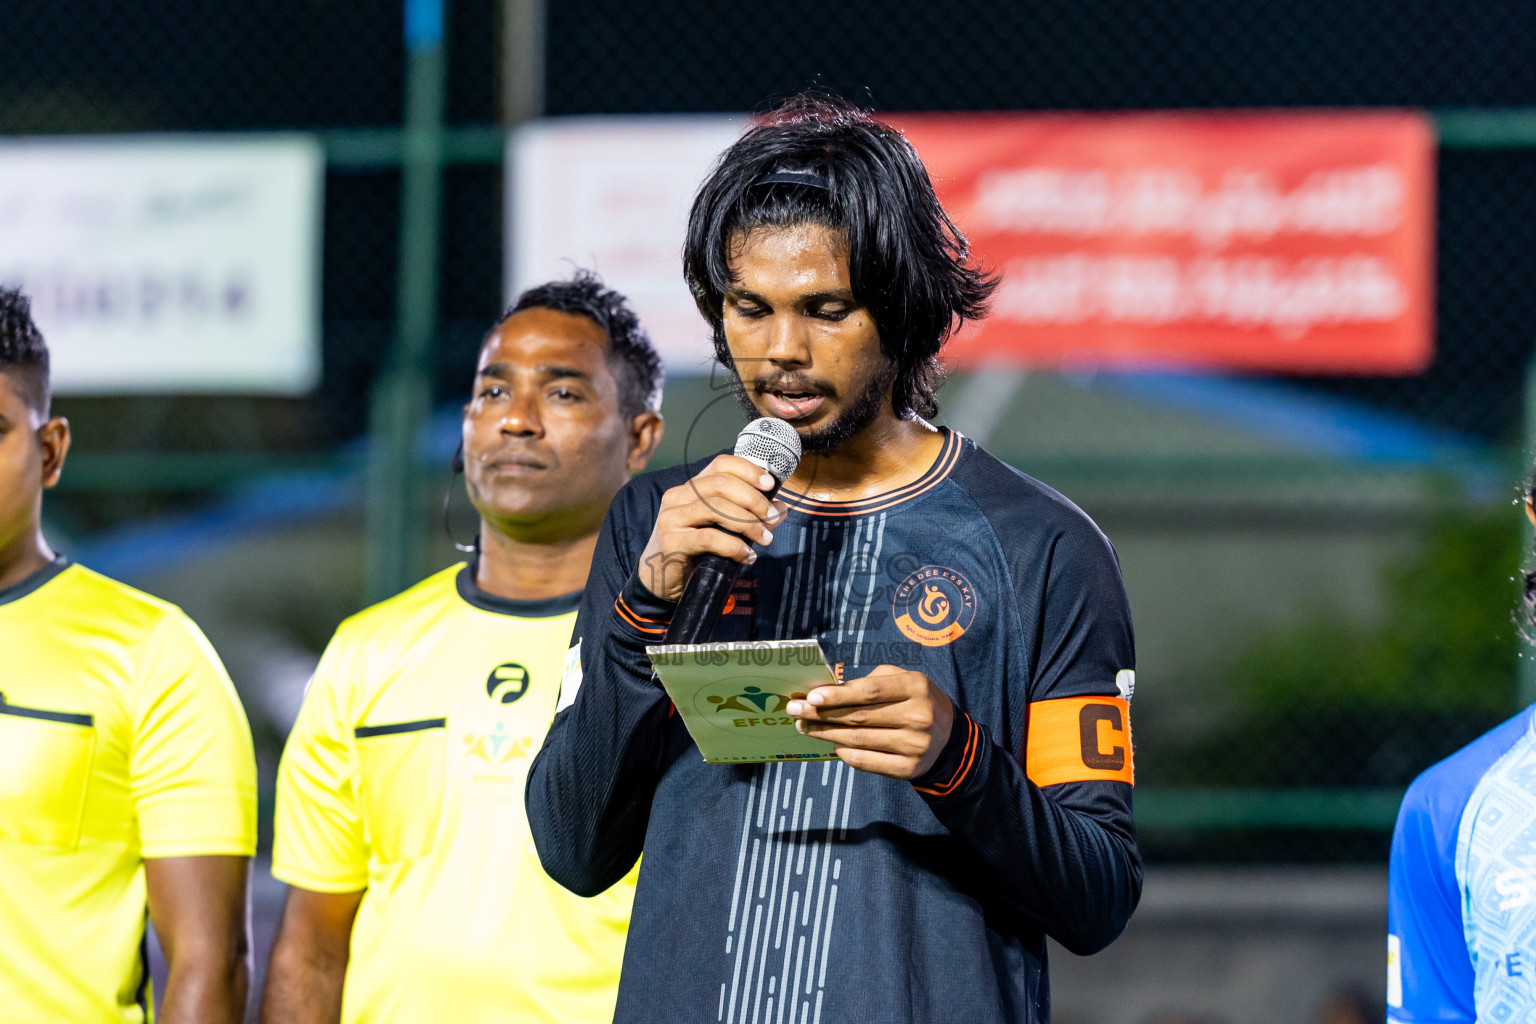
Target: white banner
<point x="612" y="195"/>
<point x="168" y="264"/>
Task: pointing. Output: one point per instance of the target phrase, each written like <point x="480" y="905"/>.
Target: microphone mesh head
<point x="772" y="444"/>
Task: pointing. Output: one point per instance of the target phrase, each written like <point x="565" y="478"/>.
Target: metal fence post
<point x="522" y="61"/>
<point x="403" y="395"/>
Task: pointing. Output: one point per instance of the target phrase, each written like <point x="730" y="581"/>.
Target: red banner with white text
<point x="1297" y="243"/>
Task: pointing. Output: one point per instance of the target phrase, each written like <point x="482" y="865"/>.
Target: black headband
<point x="810" y="178"/>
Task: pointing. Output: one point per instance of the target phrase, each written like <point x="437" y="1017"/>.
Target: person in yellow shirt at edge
<point x="416" y="893"/>
<point x="127" y="780"/>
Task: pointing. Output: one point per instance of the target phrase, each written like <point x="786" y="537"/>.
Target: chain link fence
<point x="1314" y="631"/>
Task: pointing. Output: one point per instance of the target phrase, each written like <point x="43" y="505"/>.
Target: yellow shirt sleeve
<point x="192" y="770"/>
<point x="318" y="832"/>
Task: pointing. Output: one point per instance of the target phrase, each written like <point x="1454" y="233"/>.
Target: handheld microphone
<point x="773" y="445"/>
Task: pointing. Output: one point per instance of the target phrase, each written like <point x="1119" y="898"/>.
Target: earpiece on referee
<point x="457" y="465"/>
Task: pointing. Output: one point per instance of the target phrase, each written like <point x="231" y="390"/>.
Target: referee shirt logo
<point x="507" y="682"/>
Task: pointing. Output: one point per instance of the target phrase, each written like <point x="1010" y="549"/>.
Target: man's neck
<point x="25" y="556"/>
<point x="521" y="570"/>
<point x="888" y="454"/>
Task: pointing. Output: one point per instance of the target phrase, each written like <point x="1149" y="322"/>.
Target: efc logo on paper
<point x="1079" y="739"/>
<point x="741" y="704"/>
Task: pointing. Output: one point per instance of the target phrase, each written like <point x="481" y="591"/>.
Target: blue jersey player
<point x="1461" y="943"/>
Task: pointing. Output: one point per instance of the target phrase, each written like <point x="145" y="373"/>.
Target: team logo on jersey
<point x="934" y="606"/>
<point x="498" y="746"/>
<point x="1518" y="887"/>
<point x="507" y="682"/>
<point x="742" y="703"/>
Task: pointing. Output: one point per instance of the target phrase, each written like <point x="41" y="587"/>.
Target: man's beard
<point x="848" y="424"/>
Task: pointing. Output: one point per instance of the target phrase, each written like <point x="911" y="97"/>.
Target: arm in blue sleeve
<point x="1429" y="971"/>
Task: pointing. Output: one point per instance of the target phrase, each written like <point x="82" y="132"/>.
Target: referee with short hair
<point x="127" y="780"/>
<point x="416" y="891"/>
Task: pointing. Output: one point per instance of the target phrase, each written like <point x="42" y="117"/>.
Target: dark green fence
<point x="1316" y="722"/>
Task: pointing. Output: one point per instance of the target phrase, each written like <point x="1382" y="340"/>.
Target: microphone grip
<point x="704" y="597"/>
<point x="703" y="600"/>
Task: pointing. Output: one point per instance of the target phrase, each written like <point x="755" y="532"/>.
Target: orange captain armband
<point x="1079" y="739"/>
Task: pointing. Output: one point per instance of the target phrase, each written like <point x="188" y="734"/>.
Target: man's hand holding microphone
<point x="723" y="511"/>
<point x="893" y="721"/>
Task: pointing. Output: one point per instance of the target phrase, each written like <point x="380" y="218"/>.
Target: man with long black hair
<point x="981" y="799"/>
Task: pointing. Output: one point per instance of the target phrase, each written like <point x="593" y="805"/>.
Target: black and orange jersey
<point x="813" y="892"/>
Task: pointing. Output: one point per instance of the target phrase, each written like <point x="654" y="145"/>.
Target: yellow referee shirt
<point x="121" y="738"/>
<point x="404" y="775"/>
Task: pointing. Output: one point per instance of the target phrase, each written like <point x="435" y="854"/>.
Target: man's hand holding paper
<point x="892" y="722"/>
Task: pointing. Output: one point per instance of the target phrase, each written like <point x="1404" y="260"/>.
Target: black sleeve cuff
<point x="959" y="762"/>
<point x="642" y="616"/>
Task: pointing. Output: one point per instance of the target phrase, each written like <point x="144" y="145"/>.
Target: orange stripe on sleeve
<point x="635" y="619"/>
<point x="1079" y="739"/>
<point x="637" y="615"/>
<point x="967" y="759"/>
